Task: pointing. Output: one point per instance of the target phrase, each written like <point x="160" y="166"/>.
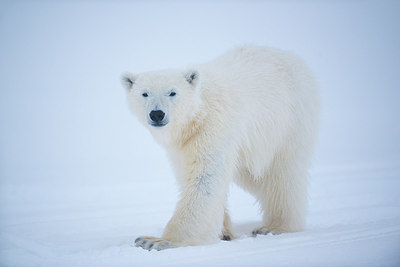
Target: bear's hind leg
<point x="283" y="198"/>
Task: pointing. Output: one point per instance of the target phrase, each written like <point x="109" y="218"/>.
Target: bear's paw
<point x="265" y="231"/>
<point x="150" y="243"/>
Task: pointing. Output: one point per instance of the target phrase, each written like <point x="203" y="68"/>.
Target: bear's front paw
<point x="150" y="243"/>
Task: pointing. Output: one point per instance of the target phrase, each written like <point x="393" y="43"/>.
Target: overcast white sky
<point x="63" y="113"/>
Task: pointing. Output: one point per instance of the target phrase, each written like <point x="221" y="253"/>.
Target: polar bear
<point x="250" y="116"/>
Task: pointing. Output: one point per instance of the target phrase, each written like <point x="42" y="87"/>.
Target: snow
<point x="78" y="180"/>
<point x="354" y="219"/>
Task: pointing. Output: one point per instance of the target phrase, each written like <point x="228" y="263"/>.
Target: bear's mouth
<point x="158" y="124"/>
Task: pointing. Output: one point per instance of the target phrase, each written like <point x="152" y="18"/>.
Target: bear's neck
<point x="188" y="132"/>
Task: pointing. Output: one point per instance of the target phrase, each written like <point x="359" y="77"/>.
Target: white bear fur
<point x="249" y="116"/>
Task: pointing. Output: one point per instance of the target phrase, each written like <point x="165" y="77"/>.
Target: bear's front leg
<point x="199" y="214"/>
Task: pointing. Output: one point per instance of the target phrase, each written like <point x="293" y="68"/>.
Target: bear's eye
<point x="172" y="94"/>
<point x="145" y="95"/>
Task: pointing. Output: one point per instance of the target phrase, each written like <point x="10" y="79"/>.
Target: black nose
<point x="157" y="115"/>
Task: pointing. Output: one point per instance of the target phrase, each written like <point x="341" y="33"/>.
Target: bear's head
<point x="163" y="100"/>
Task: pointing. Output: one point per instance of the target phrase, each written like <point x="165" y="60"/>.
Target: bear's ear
<point x="127" y="80"/>
<point x="192" y="76"/>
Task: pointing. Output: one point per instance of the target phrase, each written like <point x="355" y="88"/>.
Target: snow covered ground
<point x="354" y="220"/>
<point x="80" y="179"/>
